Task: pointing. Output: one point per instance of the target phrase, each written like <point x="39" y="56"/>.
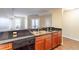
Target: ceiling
<point x="22" y="11"/>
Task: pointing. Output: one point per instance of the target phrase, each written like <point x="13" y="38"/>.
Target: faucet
<point x="47" y="29"/>
<point x="38" y="29"/>
<point x="50" y="29"/>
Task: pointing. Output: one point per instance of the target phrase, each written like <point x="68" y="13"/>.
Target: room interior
<point x="39" y="29"/>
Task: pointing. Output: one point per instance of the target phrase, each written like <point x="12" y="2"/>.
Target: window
<point x="48" y="21"/>
<point x="5" y="23"/>
<point x="35" y="23"/>
<point x="13" y="23"/>
<point x="21" y="23"/>
<point x="17" y="23"/>
<point x="26" y="22"/>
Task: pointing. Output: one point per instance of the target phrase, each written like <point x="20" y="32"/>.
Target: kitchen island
<point x="33" y="40"/>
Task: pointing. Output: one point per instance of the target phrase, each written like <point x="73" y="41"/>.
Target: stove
<point x="26" y="43"/>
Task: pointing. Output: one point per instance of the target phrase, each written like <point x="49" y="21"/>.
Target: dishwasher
<point x="24" y="44"/>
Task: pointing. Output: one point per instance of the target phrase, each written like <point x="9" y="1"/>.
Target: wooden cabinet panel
<point x="7" y="46"/>
<point x="38" y="39"/>
<point x="48" y="42"/>
<point x="56" y="38"/>
<point x="59" y="37"/>
<point x="55" y="42"/>
<point x="39" y="43"/>
<point x="43" y="42"/>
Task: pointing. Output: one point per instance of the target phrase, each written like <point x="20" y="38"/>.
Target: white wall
<point x="46" y="20"/>
<point x="56" y="17"/>
<point x="71" y="24"/>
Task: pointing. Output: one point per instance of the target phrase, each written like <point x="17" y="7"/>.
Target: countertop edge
<point x="20" y="38"/>
<point x="14" y="39"/>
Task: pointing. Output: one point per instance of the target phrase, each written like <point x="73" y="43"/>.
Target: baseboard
<point x="73" y="37"/>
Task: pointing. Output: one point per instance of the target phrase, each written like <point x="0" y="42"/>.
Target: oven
<point x="24" y="44"/>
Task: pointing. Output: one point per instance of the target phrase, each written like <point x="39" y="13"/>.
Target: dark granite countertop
<point x="28" y="36"/>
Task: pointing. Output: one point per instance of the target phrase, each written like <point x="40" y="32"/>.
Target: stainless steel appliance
<point x="24" y="44"/>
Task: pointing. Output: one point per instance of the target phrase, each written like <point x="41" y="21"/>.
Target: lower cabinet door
<point x="55" y="42"/>
<point x="7" y="46"/>
<point x="39" y="45"/>
<point x="55" y="39"/>
<point x="47" y="44"/>
<point x="59" y="38"/>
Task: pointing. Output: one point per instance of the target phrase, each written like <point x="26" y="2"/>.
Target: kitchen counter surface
<point x="20" y="38"/>
<point x="14" y="39"/>
<point x="35" y="33"/>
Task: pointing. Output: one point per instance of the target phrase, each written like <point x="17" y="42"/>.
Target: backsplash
<point x="20" y="33"/>
<point x="3" y="35"/>
<point x="46" y="28"/>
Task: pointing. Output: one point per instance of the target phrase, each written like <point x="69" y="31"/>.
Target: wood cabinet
<point x="43" y="42"/>
<point x="39" y="43"/>
<point x="6" y="46"/>
<point x="56" y="39"/>
<point x="59" y="37"/>
<point x="48" y="42"/>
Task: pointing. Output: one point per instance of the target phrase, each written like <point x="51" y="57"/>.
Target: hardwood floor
<point x="59" y="48"/>
<point x="68" y="44"/>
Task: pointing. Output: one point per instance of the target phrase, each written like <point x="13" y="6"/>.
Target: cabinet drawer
<point x="6" y="46"/>
<point x="38" y="39"/>
<point x="54" y="37"/>
<point x="39" y="46"/>
<point x="48" y="36"/>
<point x="55" y="34"/>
